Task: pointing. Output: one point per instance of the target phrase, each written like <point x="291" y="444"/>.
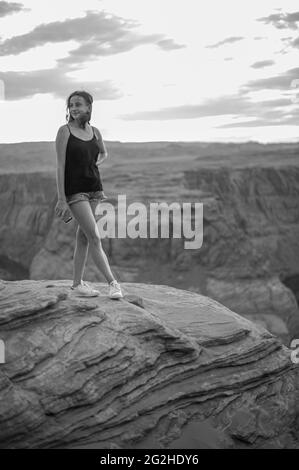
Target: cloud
<point x="212" y="107"/>
<point x="282" y="20"/>
<point x="277" y="82"/>
<point x="266" y="113"/>
<point x="8" y="8"/>
<point x="225" y="41"/>
<point x="275" y="112"/>
<point x="19" y="85"/>
<point x="262" y="63"/>
<point x="295" y="43"/>
<point x="274" y="119"/>
<point x="226" y="105"/>
<point x="169" y="44"/>
<point x="92" y="49"/>
<point x="99" y="34"/>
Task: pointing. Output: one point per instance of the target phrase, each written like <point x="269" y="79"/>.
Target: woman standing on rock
<point x="80" y="189"/>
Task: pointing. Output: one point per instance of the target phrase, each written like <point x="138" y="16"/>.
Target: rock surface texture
<point x="161" y="368"/>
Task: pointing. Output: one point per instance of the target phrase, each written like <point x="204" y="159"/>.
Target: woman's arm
<point x="103" y="154"/>
<point x="61" y="143"/>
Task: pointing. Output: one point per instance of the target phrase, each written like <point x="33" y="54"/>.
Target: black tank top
<point x="81" y="172"/>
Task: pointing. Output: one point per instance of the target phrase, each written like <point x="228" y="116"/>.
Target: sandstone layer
<point x="161" y="368"/>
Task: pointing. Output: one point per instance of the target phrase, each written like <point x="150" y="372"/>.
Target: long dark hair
<point x="88" y="100"/>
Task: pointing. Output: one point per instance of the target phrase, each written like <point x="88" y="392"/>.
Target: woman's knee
<point x="93" y="237"/>
<point x="86" y="222"/>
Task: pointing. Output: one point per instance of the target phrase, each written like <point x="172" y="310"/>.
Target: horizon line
<point x="170" y="142"/>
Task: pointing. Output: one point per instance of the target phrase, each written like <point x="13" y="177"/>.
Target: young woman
<point x="79" y="187"/>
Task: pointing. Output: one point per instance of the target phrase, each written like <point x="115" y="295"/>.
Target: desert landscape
<point x="189" y="337"/>
<point x="250" y="203"/>
<point x="246" y="270"/>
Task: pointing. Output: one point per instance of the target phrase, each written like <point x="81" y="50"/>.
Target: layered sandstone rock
<point x="161" y="368"/>
<point x="266" y="301"/>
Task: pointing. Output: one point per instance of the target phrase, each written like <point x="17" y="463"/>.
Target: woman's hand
<point x="102" y="157"/>
<point x="62" y="209"/>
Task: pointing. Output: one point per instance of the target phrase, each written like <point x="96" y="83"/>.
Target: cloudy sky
<point x="178" y="70"/>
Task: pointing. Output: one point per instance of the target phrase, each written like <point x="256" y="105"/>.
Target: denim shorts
<point x="88" y="196"/>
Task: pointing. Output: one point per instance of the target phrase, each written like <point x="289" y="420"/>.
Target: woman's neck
<point x="77" y="125"/>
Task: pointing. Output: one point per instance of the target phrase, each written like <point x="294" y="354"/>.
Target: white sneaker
<point x="85" y="290"/>
<point x="115" y="290"/>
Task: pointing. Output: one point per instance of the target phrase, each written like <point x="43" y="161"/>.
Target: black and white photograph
<point x="149" y="228"/>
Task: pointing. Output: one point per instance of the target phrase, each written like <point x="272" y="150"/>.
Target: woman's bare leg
<point x="84" y="215"/>
<point x="80" y="256"/>
<point x="81" y="250"/>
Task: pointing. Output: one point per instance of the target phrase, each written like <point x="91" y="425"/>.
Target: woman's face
<point x="78" y="107"/>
